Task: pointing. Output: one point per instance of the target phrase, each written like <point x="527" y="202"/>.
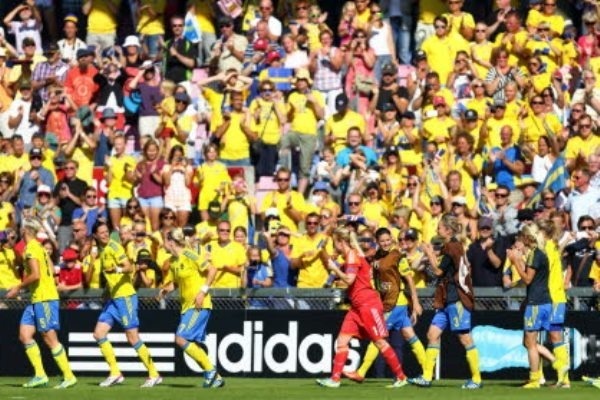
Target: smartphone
<point x="274" y="226"/>
<point x="441" y="152"/>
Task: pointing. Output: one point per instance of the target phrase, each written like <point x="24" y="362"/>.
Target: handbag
<point x="363" y="84"/>
<point x="256" y="145"/>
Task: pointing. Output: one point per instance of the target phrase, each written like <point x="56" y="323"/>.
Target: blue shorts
<point x="117" y="203"/>
<point x="455" y="315"/>
<point x="537" y="317"/>
<point x="151" y="202"/>
<point x="123" y="310"/>
<point x="192" y="326"/>
<point x="43" y="315"/>
<point x="557" y="317"/>
<point x="398" y="318"/>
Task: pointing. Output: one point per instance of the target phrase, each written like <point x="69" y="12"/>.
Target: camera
<point x="188" y="230"/>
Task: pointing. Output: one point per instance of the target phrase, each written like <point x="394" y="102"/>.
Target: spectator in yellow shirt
<point x="228" y="257"/>
<point x="234" y="139"/>
<point x="150" y="24"/>
<point x="337" y="125"/>
<point x="120" y="179"/>
<point x="289" y="203"/>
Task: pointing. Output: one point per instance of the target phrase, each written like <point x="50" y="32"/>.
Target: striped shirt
<point x="326" y="78"/>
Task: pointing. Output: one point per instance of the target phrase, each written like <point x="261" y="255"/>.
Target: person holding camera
<point x="234" y="140"/>
<point x="306" y="254"/>
<point x="49" y="73"/>
<point x="360" y="78"/>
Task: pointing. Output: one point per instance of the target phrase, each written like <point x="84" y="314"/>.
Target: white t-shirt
<point x="26" y="128"/>
<point x="295" y="60"/>
<point x="30" y="28"/>
<point x="275" y="26"/>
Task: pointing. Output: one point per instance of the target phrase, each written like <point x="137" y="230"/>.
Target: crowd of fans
<point x="260" y="127"/>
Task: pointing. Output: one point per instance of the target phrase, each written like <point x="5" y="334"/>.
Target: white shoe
<point x="151" y="382"/>
<point x="112" y="380"/>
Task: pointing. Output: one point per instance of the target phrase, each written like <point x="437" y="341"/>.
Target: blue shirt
<point x="503" y="175"/>
<point x="283" y="274"/>
<point x="28" y="187"/>
<point x="343" y="158"/>
<point x="90" y="217"/>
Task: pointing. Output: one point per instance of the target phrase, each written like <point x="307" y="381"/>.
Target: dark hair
<point x="173" y="150"/>
<point x="99" y="223"/>
<point x="585" y="218"/>
<point x="503" y="187"/>
<point x="382" y="231"/>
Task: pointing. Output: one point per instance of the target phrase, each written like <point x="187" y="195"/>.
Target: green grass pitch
<point x="174" y="388"/>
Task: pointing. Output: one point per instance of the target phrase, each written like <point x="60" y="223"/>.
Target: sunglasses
<point x="225" y="26"/>
<point x="576" y="177"/>
<point x="411" y="185"/>
<point x="435" y="203"/>
<point x="70" y="168"/>
<point x="283" y="234"/>
<point x="177" y="25"/>
<point x="576" y="110"/>
<point x="480" y="30"/>
<point x="587" y="228"/>
<point x="302" y="8"/>
<point x="225" y="230"/>
<point x="548" y="198"/>
<point x="133" y="206"/>
<point x="457" y="205"/>
<point x="440" y="26"/>
<point x="42" y="194"/>
<point x="35" y="158"/>
<point x="501" y="195"/>
<point x="325" y="216"/>
<point x="180" y="102"/>
<point x="585" y="126"/>
<point x="78" y="230"/>
<point x="265" y="8"/>
<point x="283" y="179"/>
<point x="485" y="228"/>
<point x="354" y="203"/>
<point x="4" y="181"/>
<point x="312" y="223"/>
<point x="537" y="103"/>
<point x="478" y="85"/>
<point x="168" y="217"/>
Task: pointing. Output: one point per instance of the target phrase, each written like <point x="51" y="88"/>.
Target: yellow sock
<point x="144" y="355"/>
<point x="199" y="355"/>
<point x="368" y="359"/>
<point x="60" y="357"/>
<point x="35" y="358"/>
<point x="560" y="352"/>
<point x="534" y="376"/>
<point x="418" y="350"/>
<point x="473" y="360"/>
<point x="431" y="355"/>
<point x="109" y="355"/>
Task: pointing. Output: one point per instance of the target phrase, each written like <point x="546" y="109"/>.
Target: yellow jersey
<point x="6" y="212"/>
<point x="211" y="175"/>
<point x="44" y="289"/>
<point x="419" y="277"/>
<point x="405" y="270"/>
<point x="337" y="126"/>
<point x="101" y="19"/>
<point x="556" y="282"/>
<point x="441" y="53"/>
<point x="89" y="262"/>
<point x="148" y="25"/>
<point x="304" y="119"/>
<point x="111" y="257"/>
<point x="188" y="272"/>
<point x="279" y="201"/>
<point x="84" y="156"/>
<point x="268" y="125"/>
<point x="231" y="254"/>
<point x="313" y="273"/>
<point x="118" y="187"/>
<point x="234" y="144"/>
<point x="577" y="145"/>
<point x="9" y="274"/>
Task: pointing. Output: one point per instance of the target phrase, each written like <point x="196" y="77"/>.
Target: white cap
<point x="44" y="189"/>
<point x="459" y="199"/>
<point x="132" y="40"/>
<point x="271" y="212"/>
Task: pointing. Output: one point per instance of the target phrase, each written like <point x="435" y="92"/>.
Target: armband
<point x="119" y="270"/>
<point x="204" y="289"/>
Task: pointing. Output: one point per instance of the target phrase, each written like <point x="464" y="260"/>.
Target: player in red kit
<point x="365" y="319"/>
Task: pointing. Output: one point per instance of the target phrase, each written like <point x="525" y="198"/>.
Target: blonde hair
<point x="451" y="222"/>
<point x="168" y="86"/>
<point x="348" y="236"/>
<point x="531" y="236"/>
<point x="348" y="6"/>
<point x="549" y="229"/>
<point x="178" y="237"/>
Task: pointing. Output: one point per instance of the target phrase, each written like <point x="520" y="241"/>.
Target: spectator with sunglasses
<point x="306" y="255"/>
<point x="584" y="143"/>
<point x="503" y="213"/>
<point x="89" y="212"/>
<point x="228" y="257"/>
<point x="582" y="255"/>
<point x="583" y="199"/>
<point x="288" y="202"/>
<point x="229" y="50"/>
<point x="486" y="255"/>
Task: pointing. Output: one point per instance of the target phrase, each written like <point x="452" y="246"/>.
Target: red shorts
<point x="365" y="323"/>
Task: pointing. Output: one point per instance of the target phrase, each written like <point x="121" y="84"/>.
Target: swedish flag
<point x="556" y="180"/>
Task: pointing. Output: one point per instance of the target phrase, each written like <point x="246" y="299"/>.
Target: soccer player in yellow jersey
<point x="42" y="314"/>
<point x="121" y="307"/>
<point x="558" y="295"/>
<point x="193" y="275"/>
<point x="391" y="277"/>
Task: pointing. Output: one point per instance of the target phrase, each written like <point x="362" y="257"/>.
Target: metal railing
<point x="300" y="299"/>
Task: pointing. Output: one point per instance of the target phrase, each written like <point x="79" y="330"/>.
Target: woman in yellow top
<point x="240" y="206"/>
<point x="193" y="275"/>
<point x="481" y="51"/>
<point x="212" y="177"/>
<point x="538" y="123"/>
<point x="134" y="213"/>
<point x="120" y="179"/>
<point x="150" y="24"/>
<point x="374" y="209"/>
<point x="81" y="149"/>
<point x="394" y="173"/>
<point x="265" y="118"/>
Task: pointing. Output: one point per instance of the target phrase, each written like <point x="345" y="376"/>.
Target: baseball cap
<point x="182" y="97"/>
<point x="341" y="101"/>
<point x="272" y="55"/>
<point x="271" y="212"/>
<point x="485" y="222"/>
<point x="526" y="214"/>
<point x="260" y="44"/>
<point x="143" y="256"/>
<point x="35" y="152"/>
<point x="44" y="189"/>
<point x="71" y="18"/>
<point x="84" y="53"/>
<point x="28" y="41"/>
<point x="321" y="186"/>
<point x="390" y="150"/>
<point x="25" y="84"/>
<point x="409" y="115"/>
<point x="224" y="21"/>
<point x="411" y="234"/>
<point x="52" y="49"/>
<point x="438" y="101"/>
<point x="388" y="107"/>
<point x="437" y="199"/>
<point x="69" y="254"/>
<point x="471" y="115"/>
<point x="460" y="200"/>
<point x="389" y="68"/>
<point x="107" y="113"/>
<point x="420" y="55"/>
<point x="499" y="103"/>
